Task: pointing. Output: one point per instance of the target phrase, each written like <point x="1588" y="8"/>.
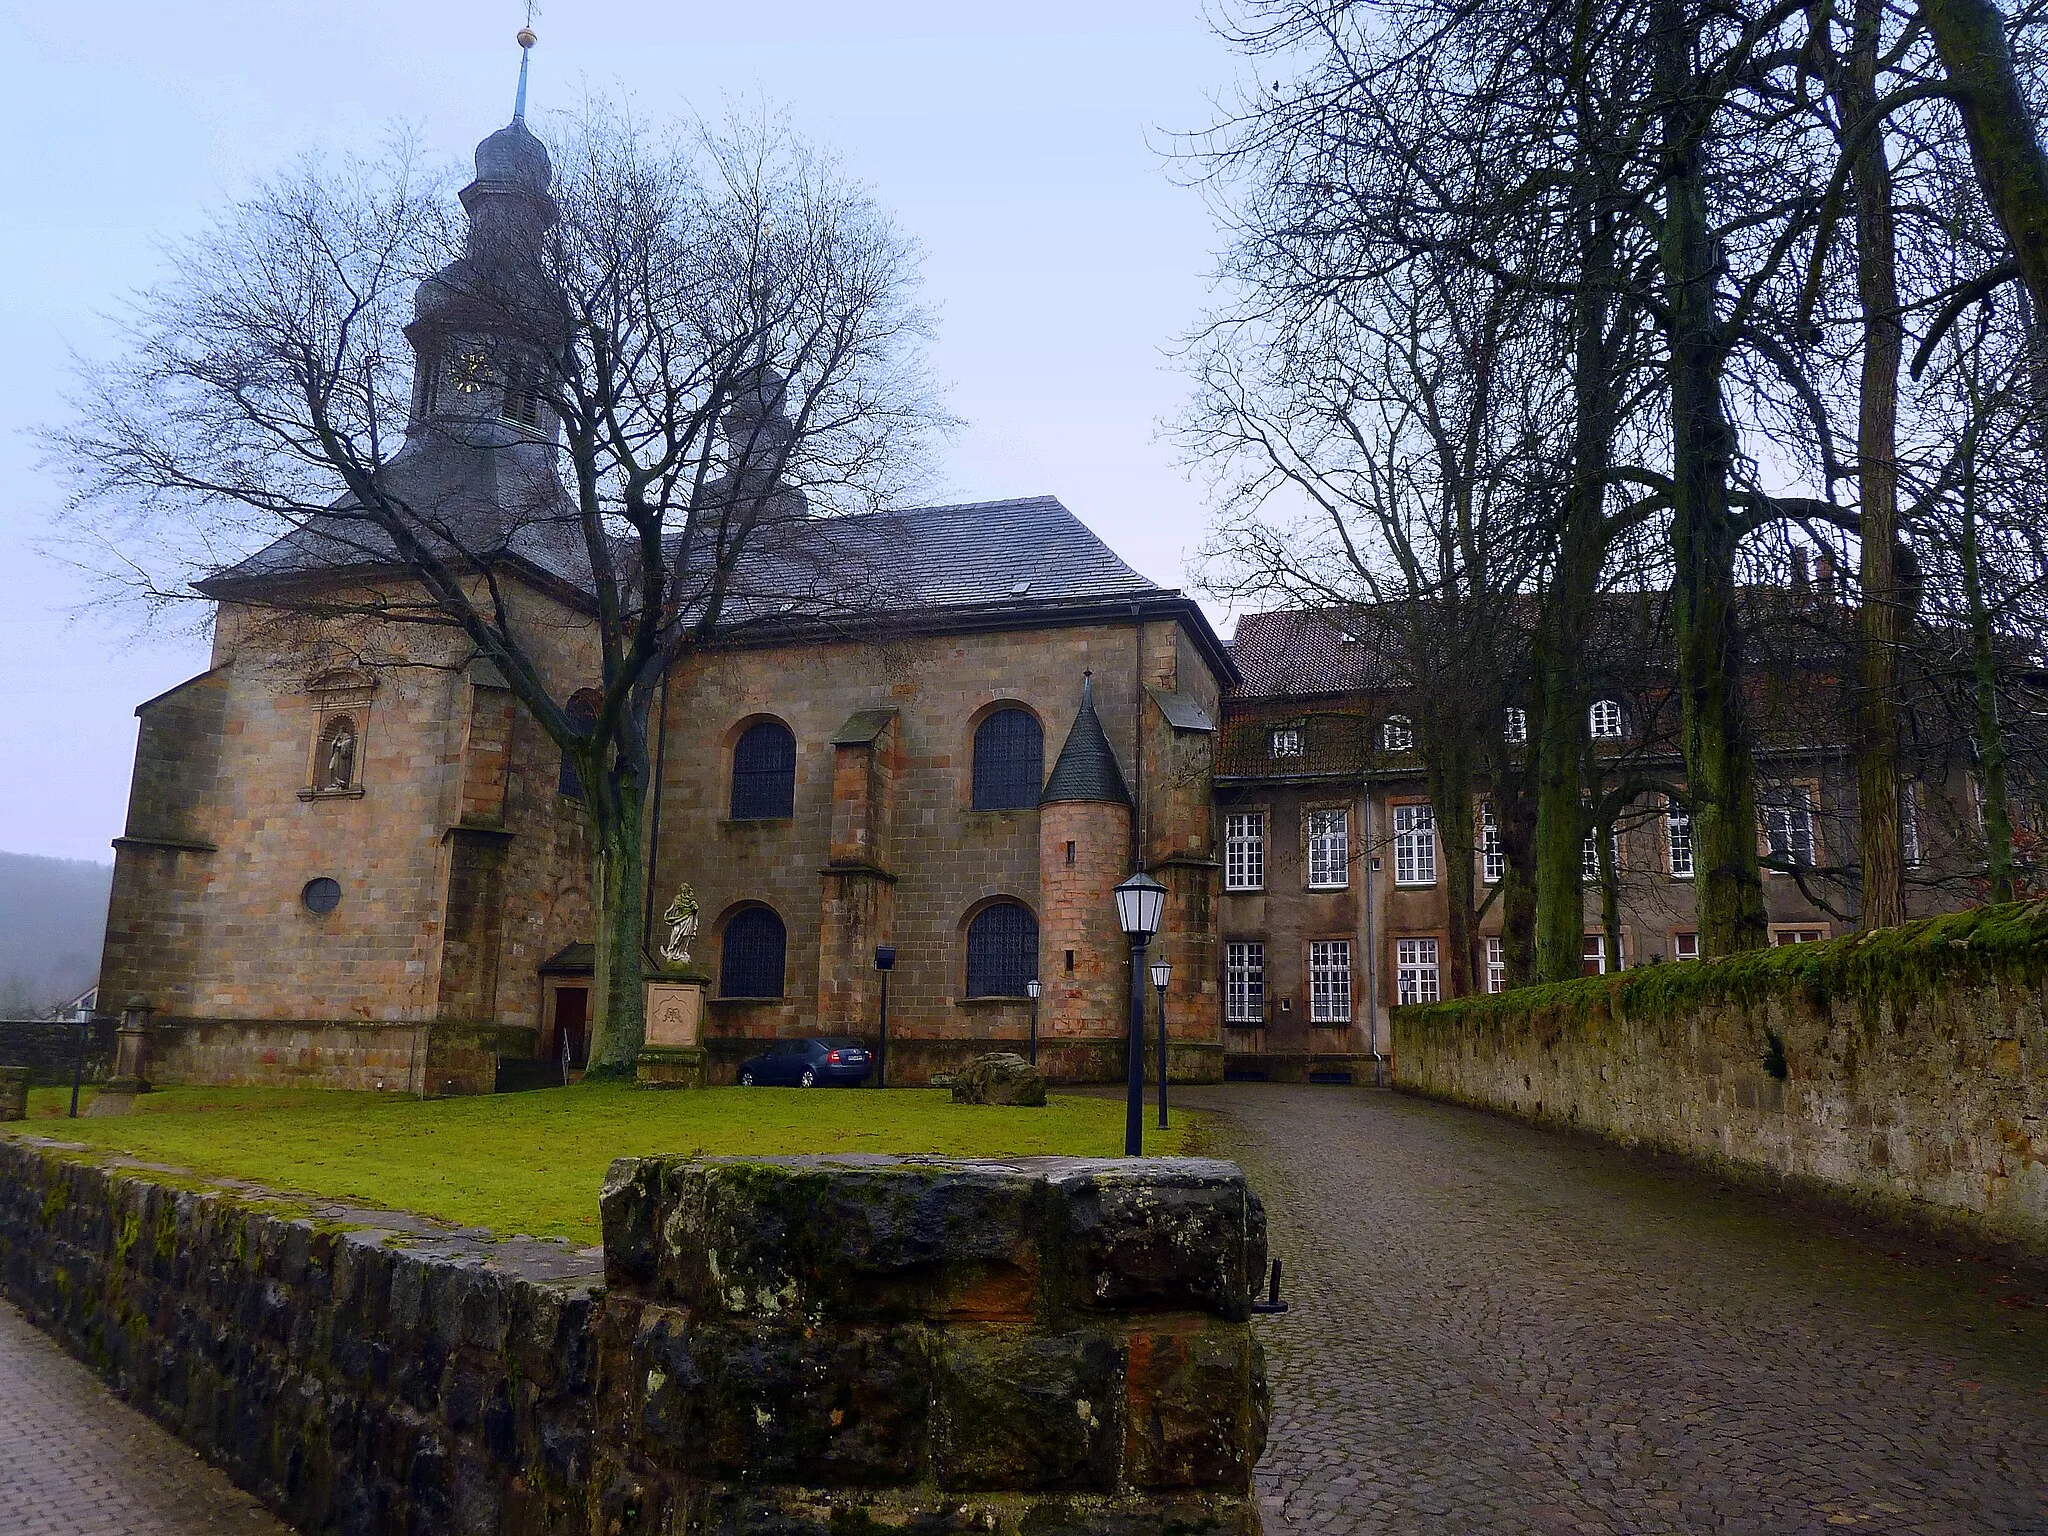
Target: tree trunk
<point x="2011" y="168"/>
<point x="1984" y="675"/>
<point x="618" y="884"/>
<point x="1610" y="894"/>
<point x="1514" y="811"/>
<point x="1719" y="768"/>
<point x="1881" y="618"/>
<point x="1450" y="791"/>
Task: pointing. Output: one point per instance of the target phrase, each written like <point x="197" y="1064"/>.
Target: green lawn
<point x="532" y="1162"/>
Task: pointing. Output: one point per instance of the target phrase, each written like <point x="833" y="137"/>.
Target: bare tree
<point x="634" y="387"/>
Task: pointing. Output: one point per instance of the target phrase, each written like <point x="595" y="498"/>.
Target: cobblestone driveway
<point x="1497" y="1329"/>
<point x="76" y="1461"/>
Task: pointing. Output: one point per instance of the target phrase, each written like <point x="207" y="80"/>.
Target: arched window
<point x="1009" y="761"/>
<point x="1002" y="950"/>
<point x="1605" y="720"/>
<point x="582" y="712"/>
<point x="764" y="772"/>
<point x="334" y="766"/>
<point x="750" y="958"/>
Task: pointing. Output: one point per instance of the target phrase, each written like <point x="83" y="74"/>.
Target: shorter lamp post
<point x="1139" y="901"/>
<point x="1031" y="990"/>
<point x="885" y="962"/>
<point x="1162" y="978"/>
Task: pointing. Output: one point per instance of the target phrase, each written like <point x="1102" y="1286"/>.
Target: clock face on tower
<point x="469" y="371"/>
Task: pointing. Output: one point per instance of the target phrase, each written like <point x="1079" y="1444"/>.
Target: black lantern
<point x="885" y="962"/>
<point x="1162" y="978"/>
<point x="1031" y="990"/>
<point x="1139" y="901"/>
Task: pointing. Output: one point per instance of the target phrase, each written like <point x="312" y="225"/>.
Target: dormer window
<point x="1605" y="720"/>
<point x="1285" y="741"/>
<point x="1398" y="734"/>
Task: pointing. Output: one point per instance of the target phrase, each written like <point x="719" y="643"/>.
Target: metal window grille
<point x="1002" y="950"/>
<point x="1284" y="742"/>
<point x="1415" y="971"/>
<point x="750" y="958"/>
<point x="1788" y="824"/>
<point x="582" y="713"/>
<point x="1329" y="981"/>
<point x="1678" y="838"/>
<point x="1244" y="851"/>
<point x="1496" y="966"/>
<point x="1244" y="983"/>
<point x="1009" y="761"/>
<point x="1414" y="845"/>
<point x="1493" y="863"/>
<point x="764" y="772"/>
<point x="1605" y="720"/>
<point x="1329" y="849"/>
<point x="1397" y="735"/>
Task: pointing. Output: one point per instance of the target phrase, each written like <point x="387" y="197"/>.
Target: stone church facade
<point x="351" y="858"/>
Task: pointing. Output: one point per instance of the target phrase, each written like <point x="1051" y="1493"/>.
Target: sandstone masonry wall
<point x="1903" y="1071"/>
<point x="796" y="1346"/>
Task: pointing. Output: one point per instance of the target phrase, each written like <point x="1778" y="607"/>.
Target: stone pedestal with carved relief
<point x="672" y="1053"/>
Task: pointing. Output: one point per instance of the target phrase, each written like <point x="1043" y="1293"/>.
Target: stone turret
<point x="1084" y="849"/>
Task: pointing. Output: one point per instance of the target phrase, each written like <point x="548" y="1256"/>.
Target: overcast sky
<point x="1021" y="144"/>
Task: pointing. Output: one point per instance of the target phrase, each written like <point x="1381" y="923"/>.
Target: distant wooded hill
<point x="53" y="914"/>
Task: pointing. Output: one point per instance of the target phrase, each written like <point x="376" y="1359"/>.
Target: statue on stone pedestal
<point x="681" y="918"/>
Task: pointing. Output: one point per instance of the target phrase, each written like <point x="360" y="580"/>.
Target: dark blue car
<point x="819" y="1061"/>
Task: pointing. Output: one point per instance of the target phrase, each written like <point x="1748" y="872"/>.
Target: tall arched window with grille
<point x="582" y="712"/>
<point x="764" y="772"/>
<point x="1009" y="761"/>
<point x="750" y="954"/>
<point x="1002" y="950"/>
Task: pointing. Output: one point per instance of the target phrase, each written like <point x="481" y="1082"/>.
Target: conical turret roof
<point x="1087" y="769"/>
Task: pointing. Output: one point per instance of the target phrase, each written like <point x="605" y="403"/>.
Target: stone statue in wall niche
<point x="341" y="754"/>
<point x="681" y="918"/>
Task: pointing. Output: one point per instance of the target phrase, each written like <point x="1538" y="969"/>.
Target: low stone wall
<point x="1904" y="1072"/>
<point x="808" y="1347"/>
<point x="50" y="1049"/>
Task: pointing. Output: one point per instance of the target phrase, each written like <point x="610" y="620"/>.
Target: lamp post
<point x="1162" y="978"/>
<point x="885" y="962"/>
<point x="1138" y="904"/>
<point x="1031" y="990"/>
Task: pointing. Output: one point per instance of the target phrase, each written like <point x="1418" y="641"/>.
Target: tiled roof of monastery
<point x="1296" y="652"/>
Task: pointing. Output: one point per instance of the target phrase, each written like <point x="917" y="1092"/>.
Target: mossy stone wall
<point x="1904" y="1071"/>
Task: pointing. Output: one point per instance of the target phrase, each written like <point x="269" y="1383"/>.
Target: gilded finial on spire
<point x="527" y="38"/>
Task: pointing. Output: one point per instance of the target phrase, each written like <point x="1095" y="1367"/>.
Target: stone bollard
<point x="860" y="1343"/>
<point x="131" y="1049"/>
<point x="13" y="1093"/>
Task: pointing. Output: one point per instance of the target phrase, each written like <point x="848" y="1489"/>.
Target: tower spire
<point x="527" y="38"/>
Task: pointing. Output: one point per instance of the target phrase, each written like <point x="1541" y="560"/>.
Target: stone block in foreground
<point x="1049" y="1343"/>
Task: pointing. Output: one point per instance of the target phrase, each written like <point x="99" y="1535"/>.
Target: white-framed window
<point x="1414" y="844"/>
<point x="1589" y="854"/>
<point x="1515" y="730"/>
<point x="1685" y="946"/>
<point x="1678" y="839"/>
<point x="1595" y="963"/>
<point x="1415" y="971"/>
<point x="1244" y="982"/>
<point x="1329" y="981"/>
<point x="1909" y="824"/>
<point x="1398" y="734"/>
<point x="1604" y="719"/>
<point x="1329" y="850"/>
<point x="1788" y="823"/>
<point x="1782" y="936"/>
<point x="1493" y="864"/>
<point x="1285" y="741"/>
<point x="1244" y="851"/>
<point x="1496" y="965"/>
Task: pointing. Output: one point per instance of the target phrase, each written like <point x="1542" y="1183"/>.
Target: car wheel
<point x="746" y="1079"/>
<point x="808" y="1080"/>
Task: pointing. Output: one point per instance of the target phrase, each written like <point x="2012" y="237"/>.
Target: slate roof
<point x="1087" y="768"/>
<point x="1297" y="653"/>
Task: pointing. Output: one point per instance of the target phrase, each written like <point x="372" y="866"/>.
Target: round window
<point x="321" y="896"/>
